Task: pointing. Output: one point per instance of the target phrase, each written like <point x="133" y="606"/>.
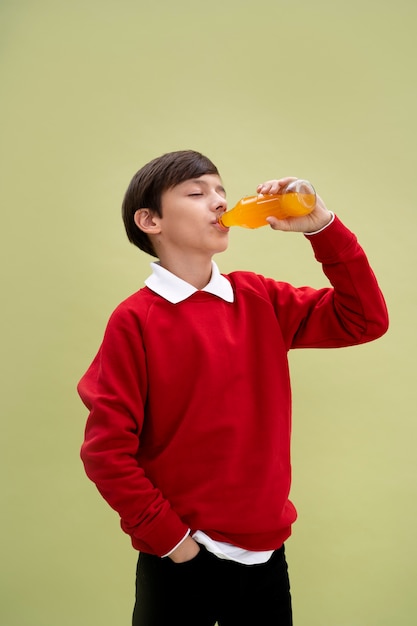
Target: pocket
<point x="191" y="562"/>
<point x="193" y="575"/>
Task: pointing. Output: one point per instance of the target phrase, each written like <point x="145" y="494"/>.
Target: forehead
<point x="207" y="180"/>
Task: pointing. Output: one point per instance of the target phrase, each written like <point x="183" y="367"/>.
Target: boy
<point x="188" y="436"/>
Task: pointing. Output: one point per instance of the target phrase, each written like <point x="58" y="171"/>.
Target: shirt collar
<point x="175" y="290"/>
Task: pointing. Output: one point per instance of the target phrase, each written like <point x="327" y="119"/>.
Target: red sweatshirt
<point x="190" y="403"/>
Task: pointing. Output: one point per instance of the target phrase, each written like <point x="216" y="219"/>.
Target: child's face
<point x="189" y="216"/>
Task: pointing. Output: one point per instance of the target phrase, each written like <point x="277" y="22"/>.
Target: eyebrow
<point x="205" y="184"/>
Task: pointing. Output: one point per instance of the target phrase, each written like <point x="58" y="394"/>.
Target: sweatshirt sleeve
<point x="350" y="312"/>
<point x="114" y="391"/>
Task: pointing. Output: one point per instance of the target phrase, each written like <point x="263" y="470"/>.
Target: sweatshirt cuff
<point x="178" y="544"/>
<point x="166" y="532"/>
<point x="316" y="232"/>
<point x="333" y="243"/>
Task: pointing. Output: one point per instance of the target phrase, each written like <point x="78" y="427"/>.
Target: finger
<point x="290" y="224"/>
<point x="275" y="185"/>
<point x="277" y="224"/>
<point x="269" y="186"/>
<point x="265" y="187"/>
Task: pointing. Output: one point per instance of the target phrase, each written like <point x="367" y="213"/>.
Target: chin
<point x="223" y="248"/>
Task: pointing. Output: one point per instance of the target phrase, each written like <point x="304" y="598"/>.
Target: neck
<point x="197" y="273"/>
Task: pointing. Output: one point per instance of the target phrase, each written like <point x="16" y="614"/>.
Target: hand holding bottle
<point x="289" y="204"/>
<point x="313" y="221"/>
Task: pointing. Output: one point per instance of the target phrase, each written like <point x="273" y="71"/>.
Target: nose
<point x="219" y="203"/>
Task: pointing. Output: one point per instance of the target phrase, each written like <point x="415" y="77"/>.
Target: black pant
<point x="208" y="589"/>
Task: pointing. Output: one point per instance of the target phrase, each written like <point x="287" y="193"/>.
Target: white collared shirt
<point x="175" y="289"/>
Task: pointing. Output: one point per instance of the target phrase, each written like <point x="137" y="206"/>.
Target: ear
<point x="147" y="221"/>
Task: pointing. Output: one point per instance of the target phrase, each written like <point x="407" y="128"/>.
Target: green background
<point x="90" y="91"/>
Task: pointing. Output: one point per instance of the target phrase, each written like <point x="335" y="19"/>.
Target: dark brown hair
<point x="149" y="183"/>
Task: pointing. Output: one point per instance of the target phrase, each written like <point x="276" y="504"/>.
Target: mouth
<point x="217" y="224"/>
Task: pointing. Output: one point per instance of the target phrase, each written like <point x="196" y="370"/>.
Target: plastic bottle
<point x="296" y="199"/>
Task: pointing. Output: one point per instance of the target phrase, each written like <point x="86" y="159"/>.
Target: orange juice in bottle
<point x="296" y="199"/>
